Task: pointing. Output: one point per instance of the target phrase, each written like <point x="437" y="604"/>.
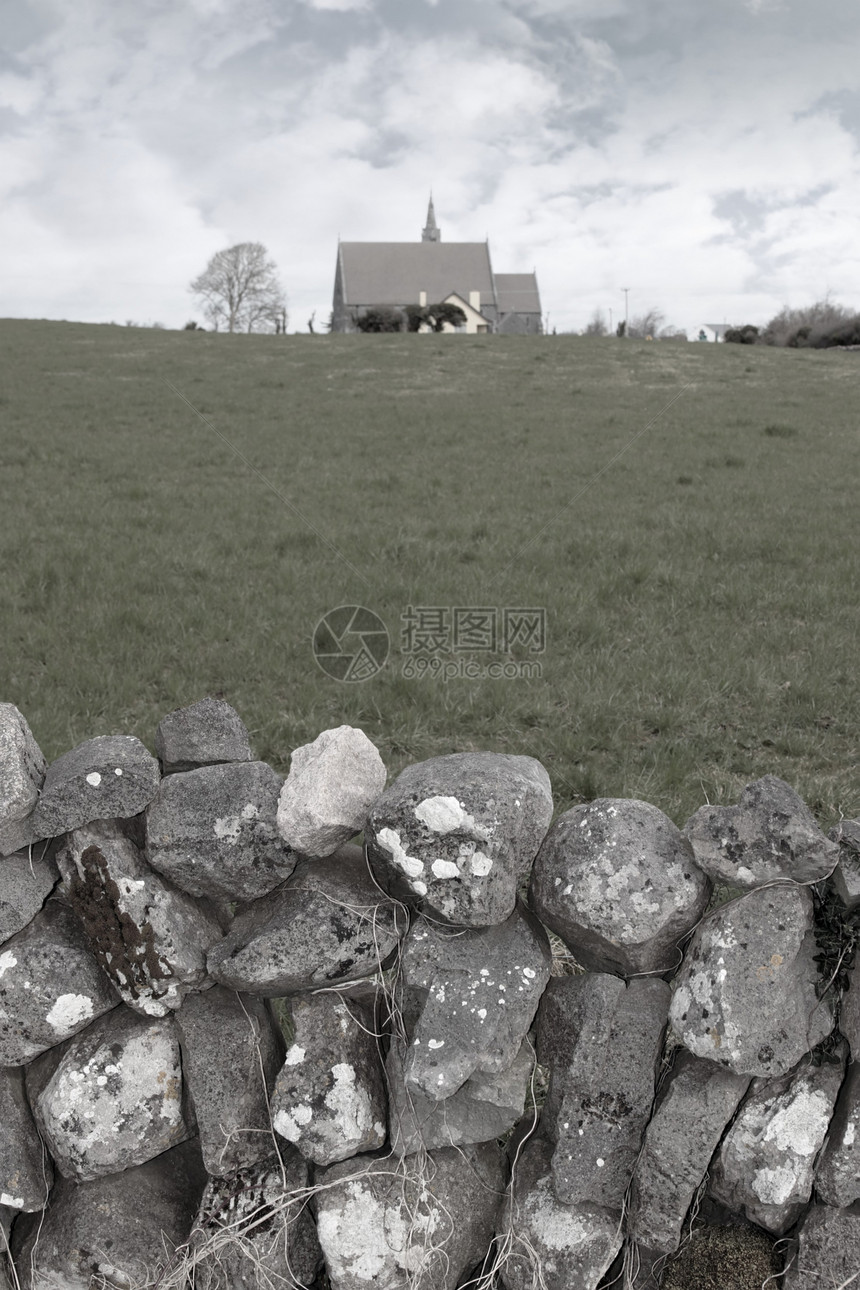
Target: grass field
<point x="701" y="593"/>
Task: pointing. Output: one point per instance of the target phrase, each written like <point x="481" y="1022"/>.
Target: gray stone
<point x="27" y="878"/>
<point x="202" y="734"/>
<point x="213" y="831"/>
<point x="846" y="875"/>
<point x="478" y="990"/>
<point x="149" y="938"/>
<point x="107" y="778"/>
<point x="417" y="1225"/>
<point x="328" y="924"/>
<point x="616" y="880"/>
<point x="329" y="1097"/>
<point x="770" y="835"/>
<point x="764" y="1165"/>
<point x="117" y="1231"/>
<point x="695" y="1105"/>
<point x="483" y="1109"/>
<point x="332" y="784"/>
<point x="112" y="1097"/>
<point x="26" y="1171"/>
<point x="837" y="1176"/>
<point x="602" y="1042"/>
<point x="458" y="834"/>
<point x="545" y="1243"/>
<point x="51" y="985"/>
<point x="849" y="1011"/>
<point x="22" y="773"/>
<point x="231" y="1053"/>
<point x="826" y="1253"/>
<point x="745" y="996"/>
<point x="255" y="1229"/>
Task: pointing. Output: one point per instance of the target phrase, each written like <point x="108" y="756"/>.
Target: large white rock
<point x="332" y="784"/>
<point x="22" y="773"/>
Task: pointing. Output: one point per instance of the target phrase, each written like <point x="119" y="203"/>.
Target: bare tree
<point x="596" y="325"/>
<point x="646" y="326"/>
<point x="239" y="289"/>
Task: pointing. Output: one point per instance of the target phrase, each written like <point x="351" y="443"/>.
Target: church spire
<point x="430" y="232"/>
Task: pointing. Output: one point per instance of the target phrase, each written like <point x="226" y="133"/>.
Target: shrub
<point x="847" y="333"/>
<point x="798" y="328"/>
<point x="380" y="318"/>
<point x="746" y="335"/>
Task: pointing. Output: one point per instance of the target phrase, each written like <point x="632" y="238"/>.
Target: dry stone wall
<point x="486" y="1049"/>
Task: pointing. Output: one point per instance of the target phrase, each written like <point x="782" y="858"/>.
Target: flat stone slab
<point x="478" y="991"/>
<point x="112" y="1097"/>
<point x="328" y="924"/>
<point x="846" y="875"/>
<point x="602" y="1042"/>
<point x="546" y="1243"/>
<point x="22" y="773"/>
<point x="231" y="1053"/>
<point x="120" y="1230"/>
<point x="51" y="985"/>
<point x="26" y="1172"/>
<point x="616" y="880"/>
<point x="332" y="784"/>
<point x="254" y="1228"/>
<point x="770" y="835"/>
<point x="27" y="878"/>
<point x="381" y="1223"/>
<point x="106" y="778"/>
<point x="329" y="1098"/>
<point x="837" y="1174"/>
<point x="695" y="1105"/>
<point x="827" y="1250"/>
<point x="764" y="1165"/>
<point x="201" y="734"/>
<point x="458" y="834"/>
<point x="148" y="937"/>
<point x="213" y="831"/>
<point x="745" y="996"/>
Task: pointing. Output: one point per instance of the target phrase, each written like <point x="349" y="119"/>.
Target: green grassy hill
<point x="180" y="509"/>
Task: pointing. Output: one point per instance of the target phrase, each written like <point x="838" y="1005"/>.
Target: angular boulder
<point x="118" y="1231"/>
<point x="254" y="1228"/>
<point x="602" y="1042"/>
<point x="27" y="878"/>
<point x="329" y="1097"/>
<point x="745" y="996"/>
<point x="213" y="831"/>
<point x="849" y="1012"/>
<point x="478" y="991"/>
<point x="112" y="1097"/>
<point x="408" y="1228"/>
<point x="22" y="773"/>
<point x="201" y="734"/>
<point x="328" y="924"/>
<point x="826" y="1251"/>
<point x="51" y="985"/>
<point x="837" y="1174"/>
<point x="695" y="1105"/>
<point x="26" y="1171"/>
<point x="616" y="880"/>
<point x="543" y="1242"/>
<point x="231" y="1053"/>
<point x="764" y="1165"/>
<point x="332" y="784"/>
<point x="457" y="834"/>
<point x="771" y="835"/>
<point x="846" y="875"/>
<point x="149" y="938"/>
<point x="106" y="778"/>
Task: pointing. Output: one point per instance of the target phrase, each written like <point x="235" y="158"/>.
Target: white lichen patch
<point x="94" y="779"/>
<point x="444" y="869"/>
<point x="390" y="839"/>
<point x="447" y="815"/>
<point x="480" y="864"/>
<point x="800" y="1126"/>
<point x="774" y="1185"/>
<point x="14" y="1202"/>
<point x="295" y="1056"/>
<point x="7" y="961"/>
<point x="849" y="1135"/>
<point x="291" y="1123"/>
<point x="229" y="827"/>
<point x="69" y="1011"/>
<point x="349" y="1104"/>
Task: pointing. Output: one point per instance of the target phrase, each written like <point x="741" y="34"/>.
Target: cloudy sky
<point x="703" y="153"/>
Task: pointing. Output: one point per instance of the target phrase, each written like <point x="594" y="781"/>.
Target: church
<point x="430" y="272"/>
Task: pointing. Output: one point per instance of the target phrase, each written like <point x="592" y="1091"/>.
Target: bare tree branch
<point x="240" y="290"/>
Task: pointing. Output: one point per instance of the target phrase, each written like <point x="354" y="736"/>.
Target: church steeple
<point x="430" y="232"/>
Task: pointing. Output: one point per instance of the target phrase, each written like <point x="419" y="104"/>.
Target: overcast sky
<point x="703" y="153"/>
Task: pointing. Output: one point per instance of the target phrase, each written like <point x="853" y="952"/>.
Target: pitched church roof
<point x="517" y="293"/>
<point x="395" y="273"/>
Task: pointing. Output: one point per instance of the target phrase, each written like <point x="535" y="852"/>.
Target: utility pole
<point x="626" y="291"/>
<point x="610" y="320"/>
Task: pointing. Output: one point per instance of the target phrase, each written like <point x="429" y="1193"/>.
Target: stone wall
<point x="486" y="1049"/>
